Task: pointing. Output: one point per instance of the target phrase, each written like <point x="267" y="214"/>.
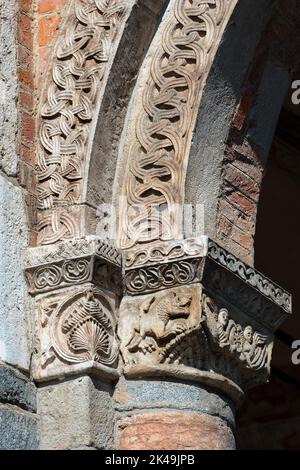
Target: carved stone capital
<point x="190" y="310"/>
<point x="77" y="288"/>
<point x="211" y="321"/>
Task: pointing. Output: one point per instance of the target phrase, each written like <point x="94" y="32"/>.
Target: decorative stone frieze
<point x="79" y="261"/>
<point x="189" y="310"/>
<point x="215" y="327"/>
<point x="76" y="333"/>
<point x="161" y="121"/>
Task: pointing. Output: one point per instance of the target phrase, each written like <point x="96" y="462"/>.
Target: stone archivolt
<point x="177" y="67"/>
<point x="80" y="64"/>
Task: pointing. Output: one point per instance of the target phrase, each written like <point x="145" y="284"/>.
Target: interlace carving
<point x="80" y="65"/>
<point x="157" y="158"/>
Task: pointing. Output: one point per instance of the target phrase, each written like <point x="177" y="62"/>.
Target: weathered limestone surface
<point x="18" y="429"/>
<point x="16" y="389"/>
<point x="14" y="306"/>
<point x="74" y="414"/>
<point x="8" y="87"/>
<point x="137" y="395"/>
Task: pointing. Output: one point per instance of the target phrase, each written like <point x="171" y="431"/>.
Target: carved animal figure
<point x="158" y="321"/>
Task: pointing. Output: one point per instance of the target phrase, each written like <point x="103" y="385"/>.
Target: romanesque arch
<point x="151" y="315"/>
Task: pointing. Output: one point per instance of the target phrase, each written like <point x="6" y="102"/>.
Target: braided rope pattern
<point x="79" y="67"/>
<point x="171" y="97"/>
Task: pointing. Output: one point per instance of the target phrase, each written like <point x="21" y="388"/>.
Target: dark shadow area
<point x="270" y="419"/>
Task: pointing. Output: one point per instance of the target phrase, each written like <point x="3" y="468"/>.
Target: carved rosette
<point x="77" y="287"/>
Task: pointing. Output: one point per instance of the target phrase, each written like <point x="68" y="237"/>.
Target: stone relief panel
<point x="76" y="328"/>
<point x="239" y="349"/>
<point x="162" y="118"/>
<point x="164" y="265"/>
<point x="149" y="325"/>
<point x="185" y="328"/>
<point x="82" y="60"/>
<point x="187" y="310"/>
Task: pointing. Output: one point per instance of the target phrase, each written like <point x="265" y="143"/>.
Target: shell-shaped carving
<point x="90" y="338"/>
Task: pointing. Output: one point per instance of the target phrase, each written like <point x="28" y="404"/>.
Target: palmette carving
<point x="82" y="57"/>
<point x="157" y="158"/>
<point x="80" y="328"/>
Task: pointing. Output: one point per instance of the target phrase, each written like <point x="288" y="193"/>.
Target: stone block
<point x="14" y="299"/>
<point x="18" y="429"/>
<point x="8" y="87"/>
<point x="16" y="389"/>
<point x="74" y="414"/>
<point x="174" y="431"/>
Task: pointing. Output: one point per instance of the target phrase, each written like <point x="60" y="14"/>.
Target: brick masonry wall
<point x="246" y="153"/>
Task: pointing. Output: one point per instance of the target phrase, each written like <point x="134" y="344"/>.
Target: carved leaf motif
<point x="90" y="338"/>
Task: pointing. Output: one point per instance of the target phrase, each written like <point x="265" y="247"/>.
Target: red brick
<point x="174" y="431"/>
<point x="26" y="78"/>
<point x="25" y="58"/>
<point x="237" y="250"/>
<point x="26" y="5"/>
<point x="43" y="61"/>
<point x="242" y="238"/>
<point x="242" y="110"/>
<point x="242" y="203"/>
<point x="27" y="127"/>
<point x="47" y="6"/>
<point x="47" y="29"/>
<point x="27" y="155"/>
<point x="26" y="100"/>
<point x="26" y="176"/>
<point x="247" y="224"/>
<point x="224" y="225"/>
<point x="241" y="181"/>
<point x="25" y="36"/>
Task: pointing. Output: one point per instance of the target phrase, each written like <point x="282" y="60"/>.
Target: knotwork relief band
<point x="162" y="116"/>
<point x="84" y="52"/>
